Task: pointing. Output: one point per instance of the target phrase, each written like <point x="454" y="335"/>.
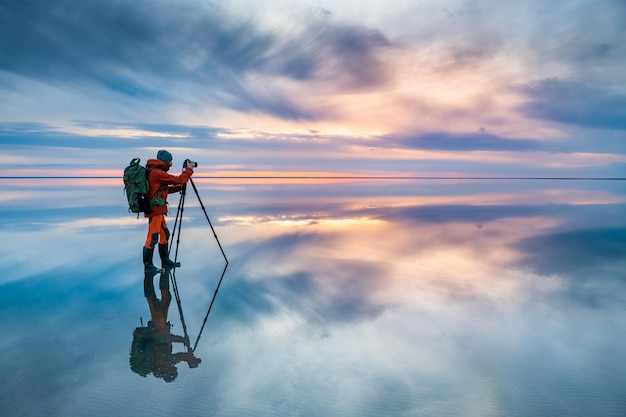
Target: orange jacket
<point x="158" y="176"/>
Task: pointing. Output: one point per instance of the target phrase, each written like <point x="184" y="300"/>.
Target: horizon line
<point x="335" y="177"/>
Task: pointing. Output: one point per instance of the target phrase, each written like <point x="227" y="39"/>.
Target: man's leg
<point x="164" y="236"/>
<point x="154" y="231"/>
<point x="158" y="308"/>
<point x="164" y="287"/>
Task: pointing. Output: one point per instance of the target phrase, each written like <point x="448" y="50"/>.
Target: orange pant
<point x="157" y="231"/>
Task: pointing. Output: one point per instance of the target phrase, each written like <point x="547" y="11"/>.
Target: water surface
<point x="341" y="298"/>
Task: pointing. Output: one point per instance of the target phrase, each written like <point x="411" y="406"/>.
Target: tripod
<point x="176" y="231"/>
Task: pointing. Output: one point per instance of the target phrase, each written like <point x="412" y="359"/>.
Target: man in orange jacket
<point x="161" y="184"/>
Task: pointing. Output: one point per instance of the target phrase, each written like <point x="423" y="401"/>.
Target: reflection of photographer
<point x="152" y="347"/>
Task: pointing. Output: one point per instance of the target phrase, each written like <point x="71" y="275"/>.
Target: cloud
<point x="333" y="291"/>
<point x="585" y="37"/>
<point x="313" y="88"/>
<point x="479" y="141"/>
<point x="454" y="213"/>
<point x="576" y="103"/>
<point x="352" y="54"/>
<point x="588" y="261"/>
<point x="575" y="251"/>
<point x="156" y="51"/>
<point x="107" y="135"/>
<point x="347" y="299"/>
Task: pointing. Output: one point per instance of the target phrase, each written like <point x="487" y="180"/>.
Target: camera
<point x="189" y="162"/>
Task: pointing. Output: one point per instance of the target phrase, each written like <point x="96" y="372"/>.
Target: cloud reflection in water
<point x="366" y="304"/>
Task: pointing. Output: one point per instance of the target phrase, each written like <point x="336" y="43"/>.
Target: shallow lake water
<point x="341" y="298"/>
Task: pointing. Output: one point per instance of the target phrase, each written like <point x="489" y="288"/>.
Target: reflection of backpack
<point x="137" y="188"/>
<point x="142" y="351"/>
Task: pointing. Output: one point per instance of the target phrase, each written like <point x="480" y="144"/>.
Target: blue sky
<point x="317" y="87"/>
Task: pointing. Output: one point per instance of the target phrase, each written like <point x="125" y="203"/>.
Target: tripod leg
<point x="208" y="220"/>
<point x="178" y="224"/>
<point x="206" y="317"/>
<point x="172" y="273"/>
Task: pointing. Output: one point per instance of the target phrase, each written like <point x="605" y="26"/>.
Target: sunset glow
<point x="308" y="88"/>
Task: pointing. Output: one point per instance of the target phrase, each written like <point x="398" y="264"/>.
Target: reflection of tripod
<point x="178" y="224"/>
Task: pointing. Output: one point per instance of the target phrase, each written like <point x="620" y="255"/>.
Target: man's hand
<point x="190" y="164"/>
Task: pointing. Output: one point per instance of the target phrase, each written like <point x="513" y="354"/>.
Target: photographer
<point x="161" y="184"/>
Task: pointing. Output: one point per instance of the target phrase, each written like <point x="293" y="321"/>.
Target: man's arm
<point x="163" y="177"/>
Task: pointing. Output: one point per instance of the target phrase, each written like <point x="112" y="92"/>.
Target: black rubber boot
<point x="148" y="284"/>
<point x="148" y="266"/>
<point x="166" y="262"/>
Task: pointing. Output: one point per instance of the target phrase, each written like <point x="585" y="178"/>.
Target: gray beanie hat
<point x="164" y="156"/>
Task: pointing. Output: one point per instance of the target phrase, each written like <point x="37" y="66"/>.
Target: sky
<point x="415" y="88"/>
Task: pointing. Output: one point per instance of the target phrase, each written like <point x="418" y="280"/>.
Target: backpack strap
<point x="155" y="197"/>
